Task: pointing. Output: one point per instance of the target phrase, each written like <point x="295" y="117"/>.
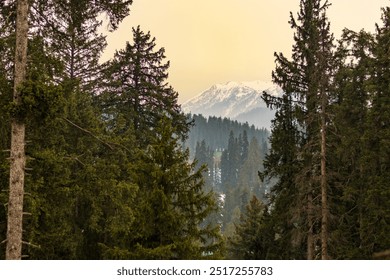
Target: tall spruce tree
<point x="306" y="82"/>
<point x="377" y="146"/>
<point x="171" y="205"/>
<point x="247" y="242"/>
<point x="73" y="38"/>
<point x="248" y="174"/>
<point x="352" y="84"/>
<point x="244" y="147"/>
<point x="204" y="156"/>
<point x="283" y="164"/>
<point x="137" y="88"/>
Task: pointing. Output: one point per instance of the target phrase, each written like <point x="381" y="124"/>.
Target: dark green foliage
<point x="356" y="166"/>
<point x="170" y="205"/>
<point x="92" y="193"/>
<point x="39" y="102"/>
<point x="296" y="142"/>
<point x="376" y="141"/>
<point x="350" y="111"/>
<point x="41" y="97"/>
<point x="68" y="190"/>
<point x="281" y="163"/>
<point x="362" y="196"/>
<point x="78" y="12"/>
<point x="70" y="194"/>
<point x="136" y="88"/>
<point x="248" y="242"/>
<point x="107" y="174"/>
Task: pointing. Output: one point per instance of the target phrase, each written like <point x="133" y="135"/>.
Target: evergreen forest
<point x="98" y="161"/>
<point x="233" y="154"/>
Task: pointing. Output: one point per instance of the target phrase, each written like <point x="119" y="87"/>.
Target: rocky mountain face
<point x="239" y="101"/>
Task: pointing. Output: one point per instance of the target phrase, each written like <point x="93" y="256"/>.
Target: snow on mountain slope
<point x="235" y="100"/>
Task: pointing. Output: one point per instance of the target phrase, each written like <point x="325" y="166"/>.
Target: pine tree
<point x="306" y="82"/>
<point x="137" y="88"/>
<point x="69" y="29"/>
<point x="282" y="163"/>
<point x="171" y="205"/>
<point x="360" y="83"/>
<point x="245" y="147"/>
<point x="201" y="153"/>
<point x="376" y="147"/>
<point x="352" y="84"/>
<point x="325" y="71"/>
<point x="248" y="174"/>
<point x="247" y="242"/>
<point x="204" y="157"/>
<point x="76" y="42"/>
<point x="233" y="160"/>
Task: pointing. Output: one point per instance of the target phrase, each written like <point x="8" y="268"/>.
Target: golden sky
<point x="216" y="41"/>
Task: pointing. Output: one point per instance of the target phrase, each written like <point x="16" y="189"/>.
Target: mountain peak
<point x="235" y="100"/>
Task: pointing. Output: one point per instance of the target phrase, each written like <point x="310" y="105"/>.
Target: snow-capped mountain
<point x="239" y="101"/>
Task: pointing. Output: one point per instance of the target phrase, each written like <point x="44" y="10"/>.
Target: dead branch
<point x="88" y="132"/>
<point x="30" y="244"/>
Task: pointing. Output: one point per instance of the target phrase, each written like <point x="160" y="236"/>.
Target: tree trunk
<point x="310" y="233"/>
<point x="324" y="190"/>
<point x="18" y="158"/>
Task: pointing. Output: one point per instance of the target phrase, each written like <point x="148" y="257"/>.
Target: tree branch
<point x="88" y="132"/>
<point x="30" y="244"/>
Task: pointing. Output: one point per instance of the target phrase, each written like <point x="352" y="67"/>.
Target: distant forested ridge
<point x="233" y="153"/>
<point x="215" y="132"/>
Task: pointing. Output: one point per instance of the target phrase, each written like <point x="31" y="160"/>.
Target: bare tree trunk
<point x="310" y="233"/>
<point x="324" y="187"/>
<point x="18" y="158"/>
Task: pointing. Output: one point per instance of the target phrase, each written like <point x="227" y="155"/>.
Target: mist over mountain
<point x="239" y="101"/>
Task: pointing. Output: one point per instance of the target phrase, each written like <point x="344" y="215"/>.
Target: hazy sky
<point x="216" y="41"/>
